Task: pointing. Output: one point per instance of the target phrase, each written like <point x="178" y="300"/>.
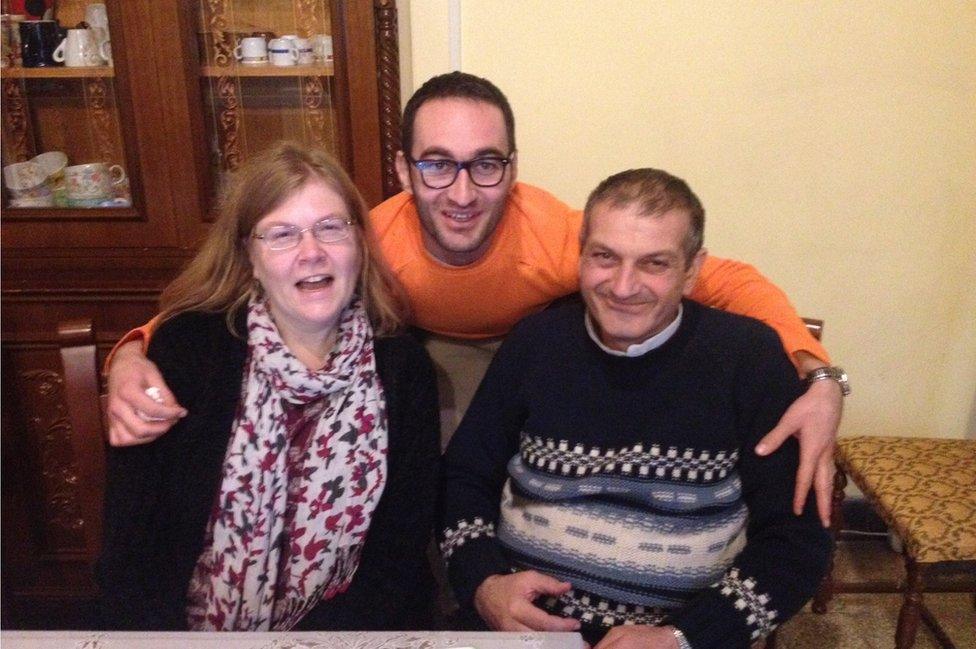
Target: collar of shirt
<point x="639" y="349"/>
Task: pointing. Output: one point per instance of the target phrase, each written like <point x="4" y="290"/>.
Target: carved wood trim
<point x="17" y="127"/>
<point x="314" y="117"/>
<point x="388" y="79"/>
<point x="308" y="17"/>
<point x="229" y="123"/>
<point x="64" y="522"/>
<point x="101" y="118"/>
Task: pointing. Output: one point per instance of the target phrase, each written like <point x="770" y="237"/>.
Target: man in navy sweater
<point x="604" y="477"/>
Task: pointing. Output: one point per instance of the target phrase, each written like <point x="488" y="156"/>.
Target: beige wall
<point x="833" y="144"/>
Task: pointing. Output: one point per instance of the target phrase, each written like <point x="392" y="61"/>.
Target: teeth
<point x="314" y="281"/>
<point x="460" y="217"/>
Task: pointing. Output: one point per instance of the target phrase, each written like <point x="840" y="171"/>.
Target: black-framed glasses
<point x="440" y="173"/>
<point x="283" y="237"/>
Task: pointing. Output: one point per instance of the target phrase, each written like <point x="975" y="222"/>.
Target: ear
<point x="514" y="165"/>
<point x="249" y="250"/>
<point x="403" y="172"/>
<point x="691" y="275"/>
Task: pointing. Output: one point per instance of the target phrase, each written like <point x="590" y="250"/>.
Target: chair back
<point x="814" y="326"/>
<point x="82" y="391"/>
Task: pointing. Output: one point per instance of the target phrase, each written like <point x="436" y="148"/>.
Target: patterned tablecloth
<point x="345" y="640"/>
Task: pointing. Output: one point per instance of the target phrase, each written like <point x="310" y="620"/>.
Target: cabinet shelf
<point x="57" y="72"/>
<point x="324" y="70"/>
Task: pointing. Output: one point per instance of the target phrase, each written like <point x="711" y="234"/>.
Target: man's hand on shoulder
<point x="504" y="602"/>
<point x="639" y="636"/>
<point x="813" y="418"/>
<point x="138" y="414"/>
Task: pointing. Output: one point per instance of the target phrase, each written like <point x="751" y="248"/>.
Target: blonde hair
<point x="220" y="277"/>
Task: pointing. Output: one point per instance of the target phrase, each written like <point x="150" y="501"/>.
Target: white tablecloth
<point x="304" y="640"/>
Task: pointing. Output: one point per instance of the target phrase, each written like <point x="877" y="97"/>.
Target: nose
<point x="624" y="284"/>
<point x="310" y="248"/>
<point x="462" y="192"/>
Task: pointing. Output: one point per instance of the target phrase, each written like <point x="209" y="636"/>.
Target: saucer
<point x="255" y="61"/>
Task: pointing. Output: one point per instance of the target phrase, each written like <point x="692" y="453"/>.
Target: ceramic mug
<point x="38" y="40"/>
<point x="78" y="49"/>
<point x="92" y="182"/>
<point x="251" y="50"/>
<point x="306" y="55"/>
<point x="96" y="15"/>
<point x="282" y="51"/>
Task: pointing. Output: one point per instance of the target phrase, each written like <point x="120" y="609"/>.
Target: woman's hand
<point x="140" y="406"/>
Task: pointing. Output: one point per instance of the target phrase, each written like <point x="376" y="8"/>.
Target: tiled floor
<point x="868" y="621"/>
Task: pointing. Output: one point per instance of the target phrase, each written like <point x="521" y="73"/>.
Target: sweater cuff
<point x="731" y="612"/>
<point x="471" y="564"/>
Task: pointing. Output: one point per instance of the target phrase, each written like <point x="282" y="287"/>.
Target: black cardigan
<point x="159" y="495"/>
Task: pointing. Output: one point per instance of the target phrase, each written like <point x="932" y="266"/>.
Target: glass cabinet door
<point x="63" y="144"/>
<point x="266" y="73"/>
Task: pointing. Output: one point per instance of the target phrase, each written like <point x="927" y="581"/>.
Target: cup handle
<point x="294" y="52"/>
<point x="104" y="52"/>
<point x="59" y="52"/>
<point x="237" y="52"/>
<point x="120" y="178"/>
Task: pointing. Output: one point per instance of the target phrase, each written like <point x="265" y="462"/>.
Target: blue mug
<point x="38" y="40"/>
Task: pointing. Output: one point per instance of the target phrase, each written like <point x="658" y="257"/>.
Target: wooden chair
<point x="83" y="399"/>
<point x="925" y="491"/>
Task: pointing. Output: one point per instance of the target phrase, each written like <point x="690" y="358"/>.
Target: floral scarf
<point x="296" y="499"/>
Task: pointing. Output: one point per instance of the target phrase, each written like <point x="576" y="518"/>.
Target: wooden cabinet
<point x="176" y="111"/>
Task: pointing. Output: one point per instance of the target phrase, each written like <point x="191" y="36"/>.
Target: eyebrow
<point x="655" y="254"/>
<point x="480" y="153"/>
<point x="332" y="215"/>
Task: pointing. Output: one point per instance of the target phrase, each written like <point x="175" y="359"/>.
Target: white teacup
<point x="282" y="51"/>
<point x="94" y="181"/>
<point x="26" y="182"/>
<point x="252" y="49"/>
<point x="23" y="176"/>
<point x="322" y="47"/>
<point x="52" y="163"/>
<point x="78" y="49"/>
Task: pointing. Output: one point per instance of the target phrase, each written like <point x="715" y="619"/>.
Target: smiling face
<point x="634" y="271"/>
<point x="458" y="221"/>
<point x="309" y="285"/>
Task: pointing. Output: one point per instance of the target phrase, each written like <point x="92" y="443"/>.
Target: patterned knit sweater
<point x="635" y="480"/>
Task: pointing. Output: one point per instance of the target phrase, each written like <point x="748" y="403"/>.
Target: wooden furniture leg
<point x="911" y="610"/>
<point x="826" y="591"/>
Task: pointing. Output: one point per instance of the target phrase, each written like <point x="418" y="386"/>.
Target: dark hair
<point x="654" y="192"/>
<point x="456" y="85"/>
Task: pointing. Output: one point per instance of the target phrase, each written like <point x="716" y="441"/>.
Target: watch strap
<point x="833" y="373"/>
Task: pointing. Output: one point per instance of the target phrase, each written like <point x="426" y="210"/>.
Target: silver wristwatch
<point x="680" y="637"/>
<point x="833" y="373"/>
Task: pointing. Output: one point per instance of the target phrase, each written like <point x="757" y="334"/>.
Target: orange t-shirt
<point x="533" y="259"/>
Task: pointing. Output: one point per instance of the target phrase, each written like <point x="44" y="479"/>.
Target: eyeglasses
<point x="441" y="173"/>
<point x="283" y="237"/>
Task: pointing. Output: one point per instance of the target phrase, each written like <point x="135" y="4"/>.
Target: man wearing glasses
<point x="477" y="251"/>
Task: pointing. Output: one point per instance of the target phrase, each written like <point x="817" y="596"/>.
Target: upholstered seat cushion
<point x="925" y="489"/>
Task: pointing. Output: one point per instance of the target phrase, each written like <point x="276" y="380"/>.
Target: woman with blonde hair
<point x="298" y="491"/>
